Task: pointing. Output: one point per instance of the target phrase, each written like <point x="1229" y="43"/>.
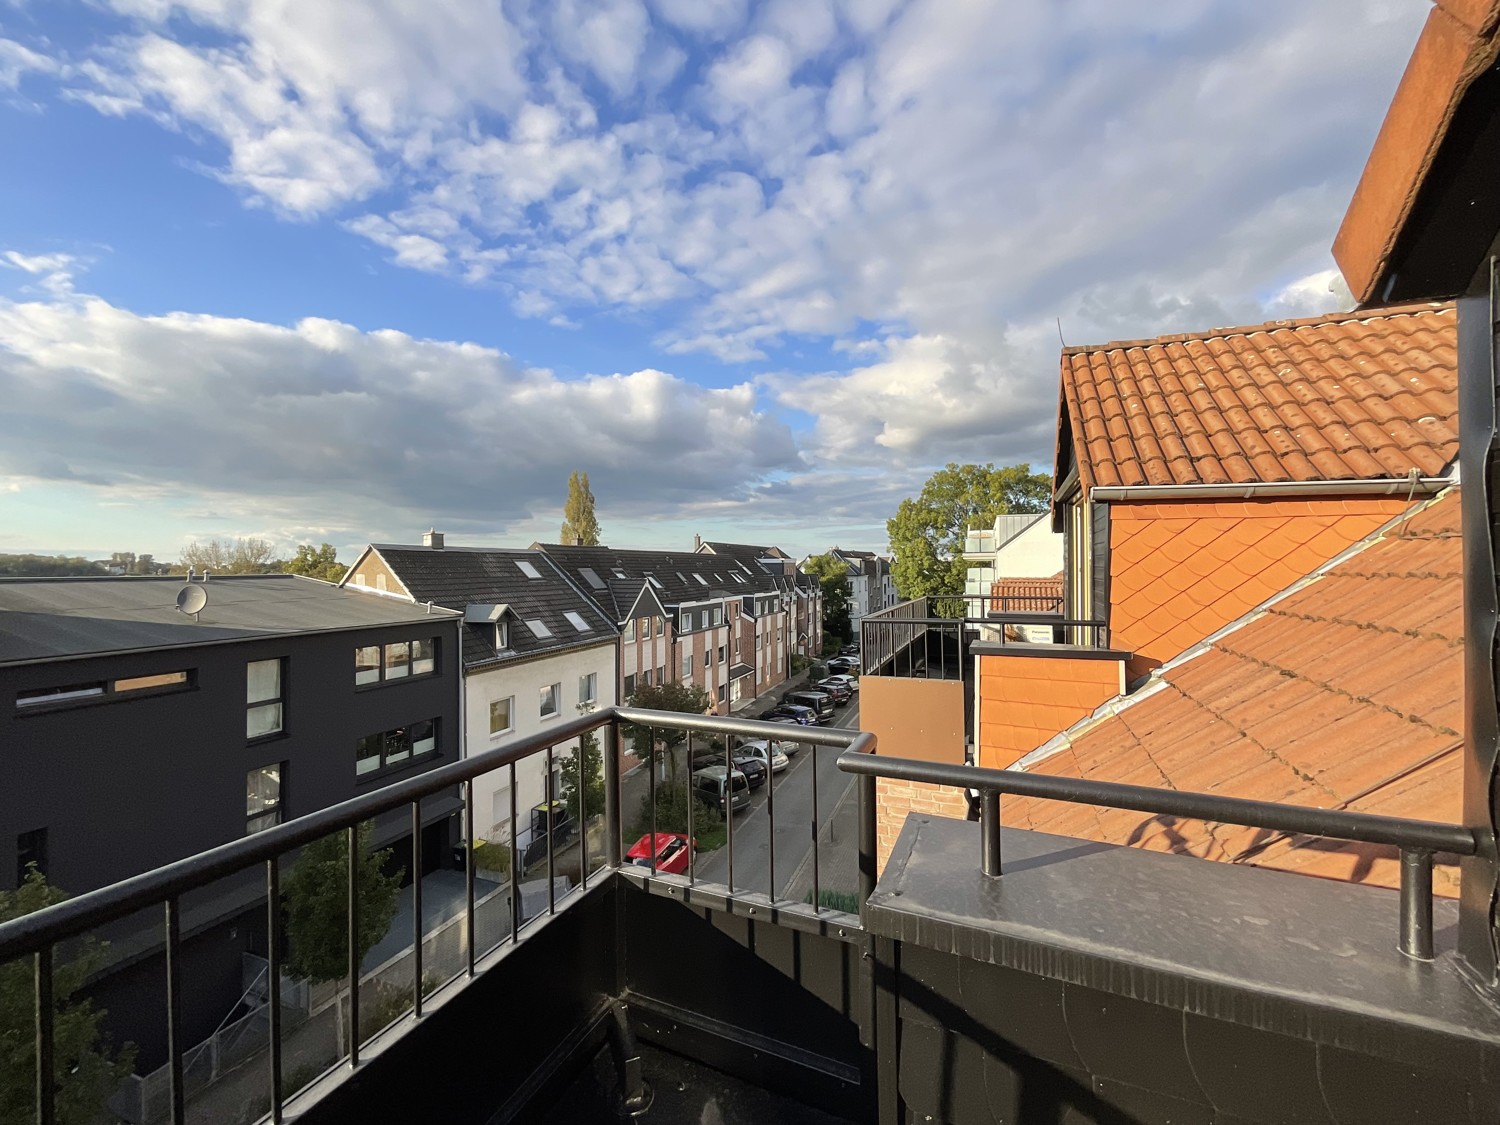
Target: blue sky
<point x="345" y="271"/>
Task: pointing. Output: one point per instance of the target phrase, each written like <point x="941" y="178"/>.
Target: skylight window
<point x="538" y="629"/>
<point x="619" y="573"/>
<point x="740" y="579"/>
<point x="652" y="579"/>
<point x="576" y="621"/>
<point x="701" y="580"/>
<point x="527" y="569"/>
<point x="591" y="578"/>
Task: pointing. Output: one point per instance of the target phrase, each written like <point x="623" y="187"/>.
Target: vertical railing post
<point x="651" y="788"/>
<point x="351" y="835"/>
<point x="46" y="1081"/>
<point x="729" y="804"/>
<point x="515" y="869"/>
<point x="583" y="817"/>
<point x="471" y="860"/>
<point x="551" y="840"/>
<point x="1416" y="904"/>
<point x="770" y="821"/>
<point x="273" y="980"/>
<point x="174" y="1010"/>
<point x="416" y="907"/>
<point x="817" y="887"/>
<point x="989" y="831"/>
<point x="867" y="843"/>
<point x="691" y="829"/>
<point x="613" y="824"/>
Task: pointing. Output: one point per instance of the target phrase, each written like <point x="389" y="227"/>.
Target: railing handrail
<point x="76" y="916"/>
<point x="1338" y="824"/>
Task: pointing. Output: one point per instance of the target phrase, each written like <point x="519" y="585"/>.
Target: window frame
<point x="592" y="681"/>
<point x="382" y="667"/>
<point x="510" y="715"/>
<point x="554" y="691"/>
<point x="275" y="810"/>
<point x="387" y="762"/>
<point x="278" y="701"/>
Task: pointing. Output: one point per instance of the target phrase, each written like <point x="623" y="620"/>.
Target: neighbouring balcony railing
<point x="1416" y="840"/>
<point x="39" y="934"/>
<point x="929" y="638"/>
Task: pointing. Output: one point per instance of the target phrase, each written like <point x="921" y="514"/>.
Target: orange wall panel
<point x="1181" y="570"/>
<point x="1025" y="700"/>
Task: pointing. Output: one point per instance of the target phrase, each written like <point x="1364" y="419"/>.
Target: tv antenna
<point x="192" y="599"/>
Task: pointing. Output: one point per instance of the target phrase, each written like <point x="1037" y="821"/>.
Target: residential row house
<point x="138" y="733"/>
<point x="720" y="620"/>
<point x="535" y="653"/>
<point x="871" y="586"/>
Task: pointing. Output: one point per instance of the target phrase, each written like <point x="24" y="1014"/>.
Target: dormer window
<point x="502" y="636"/>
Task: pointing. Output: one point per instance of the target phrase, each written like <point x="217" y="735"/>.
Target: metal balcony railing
<point x="39" y="934"/>
<point x="1417" y="840"/>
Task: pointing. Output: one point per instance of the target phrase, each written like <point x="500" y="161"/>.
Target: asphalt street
<point x="790" y="797"/>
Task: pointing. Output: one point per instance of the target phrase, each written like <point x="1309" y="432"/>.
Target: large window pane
<point x="500" y="717"/>
<point x="262" y="719"/>
<point x="367" y="753"/>
<point x="367" y="664"/>
<point x="262" y="680"/>
<point x="588" y="688"/>
<point x="423" y="657"/>
<point x="550" y="700"/>
<point x="262" y="789"/>
<point x="423" y="737"/>
<point x="397" y="745"/>
<point x="397" y="660"/>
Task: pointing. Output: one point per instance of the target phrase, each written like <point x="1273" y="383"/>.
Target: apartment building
<point x="535" y="653"/>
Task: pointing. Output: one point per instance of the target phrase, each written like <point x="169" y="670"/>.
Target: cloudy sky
<point x="338" y="270"/>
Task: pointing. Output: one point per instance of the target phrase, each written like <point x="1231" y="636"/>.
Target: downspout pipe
<point x="1262" y="490"/>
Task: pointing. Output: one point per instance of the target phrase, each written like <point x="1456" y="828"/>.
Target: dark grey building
<point x="135" y="734"/>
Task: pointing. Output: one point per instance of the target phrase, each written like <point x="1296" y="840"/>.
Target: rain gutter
<point x="1398" y="486"/>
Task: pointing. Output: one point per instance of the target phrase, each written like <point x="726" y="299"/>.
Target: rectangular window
<point x="550" y="701"/>
<point x="397" y="660"/>
<point x="661" y="674"/>
<point x="588" y="688"/>
<point x="630" y="686"/>
<point x="148" y="683"/>
<point x="423" y="657"/>
<point x="263" y="797"/>
<point x="367" y="664"/>
<point x="72" y="694"/>
<point x="661" y="625"/>
<point x="722" y="692"/>
<point x="718" y="615"/>
<point x="687" y="622"/>
<point x="646" y="678"/>
<point x="38" y="696"/>
<point x="708" y="655"/>
<point x="31" y="848"/>
<point x="502" y="636"/>
<point x="501" y="719"/>
<point x="395" y="747"/>
<point x="629" y="632"/>
<point x="263" y="715"/>
<point x="722" y="650"/>
<point x="687" y="665"/>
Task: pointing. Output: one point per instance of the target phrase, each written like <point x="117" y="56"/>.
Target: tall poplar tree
<point x="580" y="526"/>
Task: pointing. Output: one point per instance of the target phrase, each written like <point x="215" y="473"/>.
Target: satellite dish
<point x="192" y="599"/>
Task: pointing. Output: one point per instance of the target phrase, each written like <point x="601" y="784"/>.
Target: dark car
<point x="806" y="716"/>
<point x="752" y="767"/>
<point x="818" y="702"/>
<point x="845" y="665"/>
<point x="837" y="688"/>
<point x="850" y="650"/>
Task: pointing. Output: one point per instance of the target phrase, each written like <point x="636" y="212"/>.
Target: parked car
<point x="840" y="691"/>
<point x="820" y="702"/>
<point x="770" y="753"/>
<point x="850" y="649"/>
<point x="804" y="715"/>
<point x="844" y="665"/>
<point x="671" y="852"/>
<point x="749" y="765"/>
<point x="840" y="678"/>
<point x="722" y="789"/>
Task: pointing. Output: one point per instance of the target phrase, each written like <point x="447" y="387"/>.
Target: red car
<point x="671" y="852"/>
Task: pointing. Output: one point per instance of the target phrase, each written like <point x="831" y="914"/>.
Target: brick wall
<point x="895" y="799"/>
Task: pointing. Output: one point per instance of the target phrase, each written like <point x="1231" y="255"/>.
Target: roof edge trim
<point x="1381" y="486"/>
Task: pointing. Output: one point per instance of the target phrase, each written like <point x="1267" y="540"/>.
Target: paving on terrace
<point x="1369" y="394"/>
<point x="541" y="603"/>
<point x="1345" y="692"/>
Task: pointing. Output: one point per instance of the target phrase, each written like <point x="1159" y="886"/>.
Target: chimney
<point x="433" y="539"/>
<point x="697" y="541"/>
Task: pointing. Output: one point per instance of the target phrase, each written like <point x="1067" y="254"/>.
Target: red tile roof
<point x="1027" y="595"/>
<point x="1347" y="693"/>
<point x="1360" y="395"/>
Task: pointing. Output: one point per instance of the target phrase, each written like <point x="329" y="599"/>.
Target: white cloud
<point x="17" y="60"/>
<point x="712" y="19"/>
<point x="323" y="422"/>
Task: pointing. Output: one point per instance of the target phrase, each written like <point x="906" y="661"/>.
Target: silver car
<point x="770" y="754"/>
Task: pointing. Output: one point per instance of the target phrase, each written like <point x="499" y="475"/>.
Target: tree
<point x="317" y="909"/>
<point x="833" y="575"/>
<point x="316" y="562"/>
<point x="584" y="770"/>
<point x="580" y="525"/>
<point x="46" y="566"/>
<point x="927" y="532"/>
<point x="86" y="1068"/>
<point x="236" y="556"/>
<point x="687" y="699"/>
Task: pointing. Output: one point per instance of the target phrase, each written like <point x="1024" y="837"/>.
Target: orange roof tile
<point x="1346" y="693"/>
<point x="1360" y="395"/>
<point x="1027" y="595"/>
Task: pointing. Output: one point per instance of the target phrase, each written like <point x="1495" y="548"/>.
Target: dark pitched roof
<point x="751" y="551"/>
<point x="677" y="577"/>
<point x="457" y="577"/>
<point x="1346" y="693"/>
<point x="43" y="618"/>
<point x="1369" y="394"/>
